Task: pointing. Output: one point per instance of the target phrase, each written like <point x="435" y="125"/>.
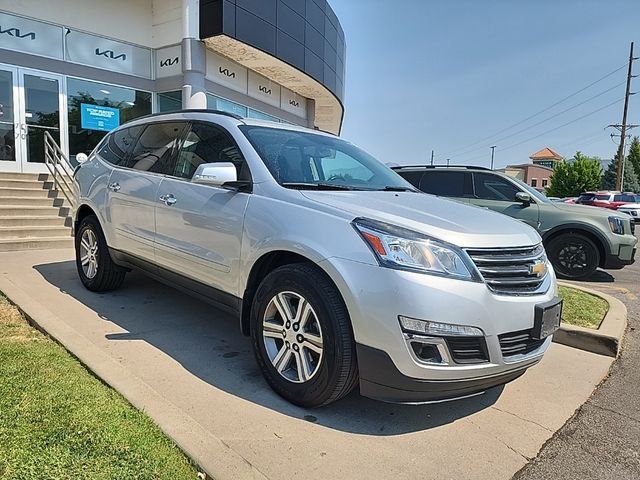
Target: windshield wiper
<point x="317" y="186"/>
<point x="393" y="188"/>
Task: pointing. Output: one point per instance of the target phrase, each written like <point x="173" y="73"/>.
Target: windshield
<point x="532" y="191"/>
<point x="311" y="161"/>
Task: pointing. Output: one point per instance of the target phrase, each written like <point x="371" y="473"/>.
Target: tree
<point x="634" y="154"/>
<point x="578" y="175"/>
<point x="630" y="184"/>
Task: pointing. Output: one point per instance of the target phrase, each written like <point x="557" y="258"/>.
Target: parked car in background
<point x="339" y="270"/>
<point x="632" y="209"/>
<point x="610" y="200"/>
<point x="578" y="239"/>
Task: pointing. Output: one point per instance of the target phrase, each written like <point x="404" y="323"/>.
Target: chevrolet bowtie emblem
<point x="538" y="269"/>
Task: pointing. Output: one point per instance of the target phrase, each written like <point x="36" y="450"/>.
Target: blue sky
<point x="447" y="74"/>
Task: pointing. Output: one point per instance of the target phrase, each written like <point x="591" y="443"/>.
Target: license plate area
<point x="547" y="318"/>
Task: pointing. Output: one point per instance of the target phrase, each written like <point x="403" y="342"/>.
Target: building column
<point x="193" y="57"/>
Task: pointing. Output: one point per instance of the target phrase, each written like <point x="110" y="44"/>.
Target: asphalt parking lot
<point x="602" y="441"/>
<point x="187" y="365"/>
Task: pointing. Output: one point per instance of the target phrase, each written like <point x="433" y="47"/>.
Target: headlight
<point x="617" y="225"/>
<point x="403" y="249"/>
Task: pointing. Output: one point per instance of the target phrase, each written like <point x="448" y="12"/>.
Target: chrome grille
<point x="511" y="271"/>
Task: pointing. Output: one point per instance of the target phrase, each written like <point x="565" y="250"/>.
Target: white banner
<point x="30" y="36"/>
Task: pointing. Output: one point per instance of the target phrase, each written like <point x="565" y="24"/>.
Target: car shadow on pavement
<point x="599" y="276"/>
<point x="208" y="343"/>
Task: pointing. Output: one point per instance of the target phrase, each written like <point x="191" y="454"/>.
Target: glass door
<point x="31" y="102"/>
<point x="9" y="123"/>
<point x="41" y="104"/>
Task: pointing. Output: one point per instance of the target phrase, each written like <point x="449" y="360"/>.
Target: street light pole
<point x="493" y="149"/>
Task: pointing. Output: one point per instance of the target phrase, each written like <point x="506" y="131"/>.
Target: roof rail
<point x="193" y="110"/>
<point x="467" y="167"/>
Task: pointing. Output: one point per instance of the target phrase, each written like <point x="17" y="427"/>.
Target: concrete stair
<point x="32" y="214"/>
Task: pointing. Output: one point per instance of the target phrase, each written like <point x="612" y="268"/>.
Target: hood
<point x="457" y="223"/>
<point x="594" y="212"/>
<point x="630" y="205"/>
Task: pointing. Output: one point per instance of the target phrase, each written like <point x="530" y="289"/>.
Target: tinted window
<point x="603" y="197"/>
<point x="156" y="147"/>
<point x="624" y="198"/>
<point x="118" y="145"/>
<point x="447" y="184"/>
<point x="493" y="187"/>
<point x="585" y="197"/>
<point x="412" y="177"/>
<point x="206" y="143"/>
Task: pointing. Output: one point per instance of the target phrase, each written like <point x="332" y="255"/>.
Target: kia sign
<point x="169" y="61"/>
<point x="30" y="36"/>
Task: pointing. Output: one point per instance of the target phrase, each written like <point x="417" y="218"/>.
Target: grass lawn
<point x="581" y="308"/>
<point x="57" y="421"/>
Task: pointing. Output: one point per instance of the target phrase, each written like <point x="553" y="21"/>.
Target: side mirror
<point x="81" y="158"/>
<point x="215" y="174"/>
<point x="523" y="198"/>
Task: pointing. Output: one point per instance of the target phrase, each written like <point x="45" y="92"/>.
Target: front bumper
<point x="381" y="380"/>
<point x="390" y="370"/>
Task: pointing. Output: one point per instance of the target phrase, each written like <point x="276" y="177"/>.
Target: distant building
<point x="538" y="176"/>
<point x="546" y="157"/>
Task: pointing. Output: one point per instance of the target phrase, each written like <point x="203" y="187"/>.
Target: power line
<point x="539" y="112"/>
<point x="549" y="118"/>
<point x="553" y="129"/>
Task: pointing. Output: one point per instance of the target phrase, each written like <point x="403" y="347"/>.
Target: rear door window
<point x="156" y="148"/>
<point x="118" y="145"/>
<point x="624" y="198"/>
<point x="413" y="178"/>
<point x="493" y="187"/>
<point x="447" y="183"/>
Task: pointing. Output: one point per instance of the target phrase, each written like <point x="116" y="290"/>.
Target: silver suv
<point x="340" y="271"/>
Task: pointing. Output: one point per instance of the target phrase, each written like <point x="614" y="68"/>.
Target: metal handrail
<point x="60" y="168"/>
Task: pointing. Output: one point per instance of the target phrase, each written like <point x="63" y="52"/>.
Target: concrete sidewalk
<point x="187" y="365"/>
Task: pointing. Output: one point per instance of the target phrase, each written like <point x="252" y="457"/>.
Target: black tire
<point x="337" y="372"/>
<point x="108" y="275"/>
<point x="573" y="256"/>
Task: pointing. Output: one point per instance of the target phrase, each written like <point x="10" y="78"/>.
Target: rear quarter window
<point x="117" y="146"/>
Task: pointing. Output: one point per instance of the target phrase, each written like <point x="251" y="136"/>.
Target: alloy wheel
<point x="573" y="257"/>
<point x="89" y="253"/>
<point x="292" y="337"/>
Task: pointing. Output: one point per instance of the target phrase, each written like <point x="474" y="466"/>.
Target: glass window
<point x="605" y="196"/>
<point x="207" y="143"/>
<point x="155" y="148"/>
<point x="493" y="187"/>
<point x="261" y="116"/>
<point x="118" y="145"/>
<point x="534" y="182"/>
<point x="625" y="197"/>
<point x="412" y="177"/>
<point x="447" y="183"/>
<point x="545" y="182"/>
<point x="169" y="101"/>
<point x="313" y="161"/>
<point x="217" y="103"/>
<point x="7" y="132"/>
<point x="84" y="136"/>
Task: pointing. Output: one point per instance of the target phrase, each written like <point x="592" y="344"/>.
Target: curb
<point x="607" y="339"/>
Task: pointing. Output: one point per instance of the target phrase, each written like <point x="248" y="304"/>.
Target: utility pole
<point x="623" y="126"/>
<point x="448" y="159"/>
<point x="432" y="153"/>
<point x="493" y="149"/>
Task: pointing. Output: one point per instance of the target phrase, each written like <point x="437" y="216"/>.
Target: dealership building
<point x="79" y="68"/>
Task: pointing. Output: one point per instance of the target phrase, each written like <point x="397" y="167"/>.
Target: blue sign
<point x="95" y="117"/>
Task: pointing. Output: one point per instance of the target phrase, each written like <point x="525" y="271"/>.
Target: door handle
<point x="168" y="199"/>
<point x="114" y="187"/>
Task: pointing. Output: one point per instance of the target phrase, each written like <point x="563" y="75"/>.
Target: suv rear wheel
<point x="97" y="271"/>
<point x="573" y="256"/>
<point x="302" y="336"/>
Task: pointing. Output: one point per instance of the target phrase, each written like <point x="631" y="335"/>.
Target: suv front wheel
<point x="302" y="336"/>
<point x="573" y="256"/>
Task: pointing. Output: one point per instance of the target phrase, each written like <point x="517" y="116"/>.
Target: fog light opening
<point x="426" y="352"/>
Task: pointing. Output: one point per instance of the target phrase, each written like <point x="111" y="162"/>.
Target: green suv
<point x="578" y="239"/>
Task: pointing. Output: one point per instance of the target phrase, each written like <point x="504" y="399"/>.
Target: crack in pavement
<point x="523" y="419"/>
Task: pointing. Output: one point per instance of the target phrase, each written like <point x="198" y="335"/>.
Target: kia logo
<point x="111" y="54"/>
<point x="265" y="90"/>
<point x="225" y="71"/>
<point x="294" y="103"/>
<point x="167" y="62"/>
<point x="15" y="32"/>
